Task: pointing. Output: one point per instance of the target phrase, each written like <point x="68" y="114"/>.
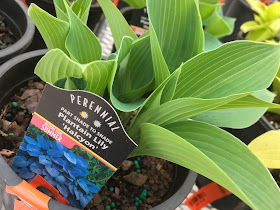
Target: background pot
<point x="16" y="17"/>
<point x="240" y="10"/>
<point x="16" y="73"/>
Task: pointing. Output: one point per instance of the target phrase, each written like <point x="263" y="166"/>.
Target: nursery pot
<point x="240" y="10"/>
<point x="16" y="17"/>
<point x="246" y="135"/>
<point x="16" y="73"/>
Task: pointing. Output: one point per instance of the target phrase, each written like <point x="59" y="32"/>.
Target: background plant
<point x="266" y="23"/>
<point x="265" y="28"/>
<point x="223" y="87"/>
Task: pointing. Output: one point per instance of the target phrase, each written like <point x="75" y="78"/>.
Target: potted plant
<point x="208" y="88"/>
<point x="16" y="74"/>
<point x="16" y="29"/>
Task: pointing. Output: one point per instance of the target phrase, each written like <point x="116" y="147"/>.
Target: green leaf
<point x="215" y="154"/>
<point x="233" y="68"/>
<point x="179" y="109"/>
<point x="81" y="43"/>
<point x="122" y="53"/>
<point x="250" y="26"/>
<point x="56" y="65"/>
<point x="160" y="95"/>
<point x="220" y="26"/>
<point x="117" y="22"/>
<point x="97" y="74"/>
<point x="178" y="42"/>
<point x="79" y="83"/>
<point x="210" y="1"/>
<point x="134" y="77"/>
<point x="207" y="10"/>
<point x="161" y="71"/>
<point x="81" y="9"/>
<point x="53" y="30"/>
<point x="260" y="35"/>
<point x="240" y="117"/>
<point x="136" y="3"/>
<point x="211" y="42"/>
<point x="267" y="148"/>
<point x="272" y="12"/>
<point x="60" y="9"/>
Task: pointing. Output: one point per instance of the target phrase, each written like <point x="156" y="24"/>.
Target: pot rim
<point x="27" y="37"/>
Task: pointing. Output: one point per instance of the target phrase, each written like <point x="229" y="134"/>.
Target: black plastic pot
<point x="16" y="73"/>
<point x="240" y="10"/>
<point x="15" y="13"/>
<point x="246" y="135"/>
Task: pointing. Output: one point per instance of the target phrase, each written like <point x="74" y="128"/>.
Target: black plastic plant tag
<point x="75" y="141"/>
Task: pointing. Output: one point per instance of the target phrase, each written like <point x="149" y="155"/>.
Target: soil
<point x="7" y="37"/>
<point x="140" y="183"/>
<point x="273" y="119"/>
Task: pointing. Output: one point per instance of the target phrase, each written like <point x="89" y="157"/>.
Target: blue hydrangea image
<point x="59" y="166"/>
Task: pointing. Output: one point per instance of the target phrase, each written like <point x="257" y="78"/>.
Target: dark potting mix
<point x="7" y="37"/>
<point x="71" y="134"/>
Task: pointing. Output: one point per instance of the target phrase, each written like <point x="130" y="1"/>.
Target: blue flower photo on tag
<point x="68" y="170"/>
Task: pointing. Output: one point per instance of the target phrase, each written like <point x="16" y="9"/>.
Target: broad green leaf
<point x="98" y="74"/>
<point x="210" y="1"/>
<point x="161" y="71"/>
<point x="117" y="22"/>
<point x="160" y="95"/>
<point x="215" y="154"/>
<point x="136" y="3"/>
<point x="219" y="26"/>
<point x="170" y="87"/>
<point x="135" y="74"/>
<point x="81" y="43"/>
<point x="56" y="65"/>
<point x="179" y="109"/>
<point x="178" y="42"/>
<point x="267" y="148"/>
<point x="211" y="42"/>
<point x="207" y="10"/>
<point x="60" y="9"/>
<point x="233" y="68"/>
<point x="122" y="53"/>
<point x="240" y="117"/>
<point x="81" y="9"/>
<point x="53" y="30"/>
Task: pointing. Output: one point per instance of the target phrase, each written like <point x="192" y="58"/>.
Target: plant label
<point x="75" y="141"/>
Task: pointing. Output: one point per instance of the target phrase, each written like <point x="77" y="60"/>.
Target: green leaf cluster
<point x="215" y="24"/>
<point x="266" y="23"/>
<point x="180" y="92"/>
